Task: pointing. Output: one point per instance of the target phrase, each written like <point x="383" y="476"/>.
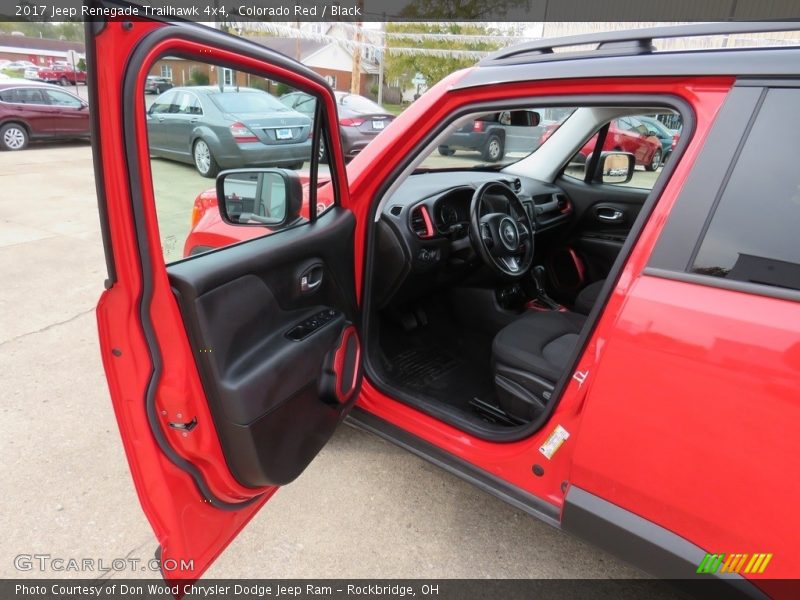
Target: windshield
<point x="247" y="102"/>
<point x="497" y="139"/>
<point x="657" y="126"/>
<point x="359" y="103"/>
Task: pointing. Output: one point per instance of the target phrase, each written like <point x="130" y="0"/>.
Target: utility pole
<point x="382" y="59"/>
<point x="355" y="79"/>
<point x="219" y="24"/>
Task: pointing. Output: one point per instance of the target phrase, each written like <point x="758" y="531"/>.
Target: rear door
<point x="157" y="114"/>
<point x="692" y="409"/>
<point x="183" y="116"/>
<point x="228" y="370"/>
<point x="73" y="117"/>
<point x="31" y="105"/>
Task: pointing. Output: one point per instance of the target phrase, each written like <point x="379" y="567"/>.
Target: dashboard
<point x="423" y="229"/>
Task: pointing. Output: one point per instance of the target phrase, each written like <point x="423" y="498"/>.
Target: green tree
<point x="463" y="10"/>
<point x="403" y="65"/>
<point x="198" y="77"/>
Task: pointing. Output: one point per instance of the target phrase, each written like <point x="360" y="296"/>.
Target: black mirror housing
<point x="615" y="167"/>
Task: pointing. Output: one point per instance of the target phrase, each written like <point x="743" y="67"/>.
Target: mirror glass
<point x="616" y="167"/>
<point x="258" y="198"/>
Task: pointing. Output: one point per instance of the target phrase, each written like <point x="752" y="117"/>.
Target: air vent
<point x="517" y="185"/>
<point x="396" y="210"/>
<point x="421" y="223"/>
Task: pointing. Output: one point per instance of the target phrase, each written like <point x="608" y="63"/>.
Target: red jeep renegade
<point x="613" y="350"/>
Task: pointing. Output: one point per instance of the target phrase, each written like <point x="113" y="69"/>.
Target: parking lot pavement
<point x="364" y="508"/>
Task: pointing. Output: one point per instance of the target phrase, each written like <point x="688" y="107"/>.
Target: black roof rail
<point x="634" y="41"/>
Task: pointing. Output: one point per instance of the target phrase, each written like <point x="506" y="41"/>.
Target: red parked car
<point x="629" y="134"/>
<point x="62" y="73"/>
<point x="626" y="134"/>
<point x="622" y="363"/>
<point x="36" y="111"/>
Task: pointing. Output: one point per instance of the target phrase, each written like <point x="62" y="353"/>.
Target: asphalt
<point x="364" y="508"/>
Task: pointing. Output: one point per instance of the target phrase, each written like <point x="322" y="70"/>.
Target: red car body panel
<point x="736" y="353"/>
<point x="636" y="429"/>
<point x="210" y="231"/>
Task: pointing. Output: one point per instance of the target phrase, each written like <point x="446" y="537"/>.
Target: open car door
<point x="228" y="370"/>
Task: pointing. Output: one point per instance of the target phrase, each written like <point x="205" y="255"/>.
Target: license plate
<point x="283" y="134"/>
<point x="378" y="124"/>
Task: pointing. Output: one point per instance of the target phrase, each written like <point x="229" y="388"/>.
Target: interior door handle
<point x="609" y="215"/>
<point x="311" y="279"/>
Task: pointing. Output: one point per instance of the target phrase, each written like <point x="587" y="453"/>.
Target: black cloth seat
<point x="530" y="355"/>
<point x="587" y="297"/>
<point x="538" y="342"/>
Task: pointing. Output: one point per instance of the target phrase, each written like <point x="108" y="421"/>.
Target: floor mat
<point x="441" y="361"/>
<point x="419" y="367"/>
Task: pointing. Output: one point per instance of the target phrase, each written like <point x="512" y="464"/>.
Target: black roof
<point x="632" y="54"/>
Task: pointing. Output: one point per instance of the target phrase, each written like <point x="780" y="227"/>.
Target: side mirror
<point x="259" y="197"/>
<point x="521" y="118"/>
<point x="616" y="167"/>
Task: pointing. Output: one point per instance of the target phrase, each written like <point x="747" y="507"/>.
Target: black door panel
<point x="262" y="317"/>
<point x="603" y="217"/>
<point x="598" y="255"/>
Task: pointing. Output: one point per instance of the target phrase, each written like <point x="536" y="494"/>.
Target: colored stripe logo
<point x="734" y="563"/>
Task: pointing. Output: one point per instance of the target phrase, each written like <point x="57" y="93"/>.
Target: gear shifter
<point x="538" y="276"/>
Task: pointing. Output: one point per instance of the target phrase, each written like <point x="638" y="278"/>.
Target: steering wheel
<point x="504" y="240"/>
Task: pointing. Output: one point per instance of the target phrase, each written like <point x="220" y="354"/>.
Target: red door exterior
<point x="691" y="401"/>
<point x="193" y="524"/>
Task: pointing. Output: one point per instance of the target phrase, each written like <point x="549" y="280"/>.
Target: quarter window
<point x="752" y="234"/>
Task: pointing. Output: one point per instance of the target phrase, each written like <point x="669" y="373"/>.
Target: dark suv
<point x="494" y="135"/>
<point x="157" y="85"/>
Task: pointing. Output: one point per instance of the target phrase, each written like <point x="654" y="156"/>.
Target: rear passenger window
<point x="162" y="103"/>
<point x="24" y="96"/>
<point x="753" y="232"/>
